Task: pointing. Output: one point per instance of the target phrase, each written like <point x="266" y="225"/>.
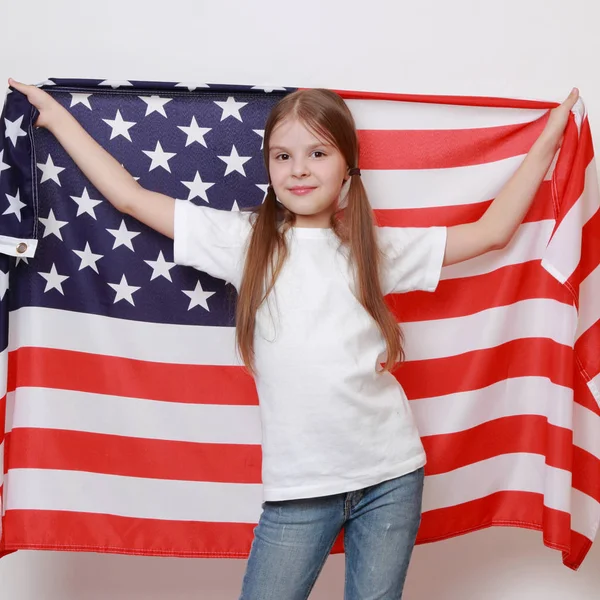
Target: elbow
<point x="497" y="245"/>
<point x="500" y="242"/>
<point x="128" y="202"/>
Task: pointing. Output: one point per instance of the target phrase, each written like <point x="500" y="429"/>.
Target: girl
<point x="340" y="448"/>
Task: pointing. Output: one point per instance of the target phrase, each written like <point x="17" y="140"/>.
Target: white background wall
<point x="536" y="49"/>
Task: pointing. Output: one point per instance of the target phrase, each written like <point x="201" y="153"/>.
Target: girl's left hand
<point x="559" y="118"/>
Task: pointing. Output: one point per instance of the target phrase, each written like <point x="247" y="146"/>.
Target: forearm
<point x="104" y="171"/>
<point x="507" y="211"/>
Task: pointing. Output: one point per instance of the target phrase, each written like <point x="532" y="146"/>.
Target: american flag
<point x="129" y="424"/>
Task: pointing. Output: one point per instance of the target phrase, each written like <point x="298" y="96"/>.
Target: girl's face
<point x="307" y="173"/>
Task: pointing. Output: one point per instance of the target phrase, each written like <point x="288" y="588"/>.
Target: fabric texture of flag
<point x="129" y="424"/>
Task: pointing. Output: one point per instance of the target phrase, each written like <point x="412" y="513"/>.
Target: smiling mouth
<point x="301" y="191"/>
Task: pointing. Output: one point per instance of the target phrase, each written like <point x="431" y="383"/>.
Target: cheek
<point x="275" y="171"/>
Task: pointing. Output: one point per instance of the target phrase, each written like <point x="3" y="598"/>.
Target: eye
<point x="282" y="156"/>
<point x="319" y="153"/>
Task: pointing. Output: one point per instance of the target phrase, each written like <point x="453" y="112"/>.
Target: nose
<point x="299" y="168"/>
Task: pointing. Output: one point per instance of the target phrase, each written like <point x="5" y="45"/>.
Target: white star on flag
<point x="53" y="280"/>
<point x="264" y="187"/>
<point x="235" y="162"/>
<point x="119" y="126"/>
<point x="52" y="225"/>
<point x="116" y="83"/>
<point x="198" y="297"/>
<point x="13" y="130"/>
<point x="268" y="90"/>
<point x="235" y="206"/>
<point x="14" y="206"/>
<point x="88" y="258"/>
<point x="231" y="108"/>
<point x="3" y="165"/>
<point x="197" y="187"/>
<point x="155" y="104"/>
<point x="80" y="99"/>
<point x="260" y="132"/>
<point x="50" y="171"/>
<point x="123" y="236"/>
<point x="85" y="204"/>
<point x="191" y="85"/>
<point x="160" y="267"/>
<point x="195" y="133"/>
<point x="159" y="157"/>
<point x="3" y="284"/>
<point x="124" y="290"/>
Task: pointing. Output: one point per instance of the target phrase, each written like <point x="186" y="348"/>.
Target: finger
<point x="572" y="98"/>
<point x="16" y="84"/>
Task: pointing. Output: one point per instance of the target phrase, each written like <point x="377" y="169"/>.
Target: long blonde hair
<point x="326" y="114"/>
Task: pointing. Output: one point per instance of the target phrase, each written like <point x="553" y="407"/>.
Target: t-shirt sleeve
<point x="413" y="257"/>
<point x="211" y="240"/>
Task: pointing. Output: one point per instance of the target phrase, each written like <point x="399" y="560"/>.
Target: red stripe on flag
<point x="89" y="532"/>
<point x="465" y="296"/>
<point x="37" y="448"/>
<point x="79" y="531"/>
<point x="587" y="350"/>
<point x="581" y="392"/>
<point x="507" y="435"/>
<point x="542" y="209"/>
<point x="575" y="183"/>
<point x="485" y="101"/>
<point x="586" y="473"/>
<point x="422" y="378"/>
<point x="541" y="357"/>
<point x="590" y="246"/>
<point x="506" y="508"/>
<point x="445" y="148"/>
<point x="590" y="255"/>
<point x="580" y="546"/>
<point x="194" y="384"/>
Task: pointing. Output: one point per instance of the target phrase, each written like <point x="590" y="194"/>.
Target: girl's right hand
<point x="43" y="101"/>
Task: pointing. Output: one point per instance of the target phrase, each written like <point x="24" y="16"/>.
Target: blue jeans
<point x="294" y="537"/>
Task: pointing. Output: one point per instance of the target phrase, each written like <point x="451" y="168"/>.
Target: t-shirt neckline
<point x="312" y="232"/>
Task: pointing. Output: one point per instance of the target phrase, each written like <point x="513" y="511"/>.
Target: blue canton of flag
<point x="189" y="141"/>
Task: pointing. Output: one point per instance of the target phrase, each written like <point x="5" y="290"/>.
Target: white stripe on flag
<point x="586" y="425"/>
<point x="589" y="303"/>
<point x="489" y="328"/>
<point x="190" y="344"/>
<point x="564" y="250"/>
<point x="517" y="472"/>
<point x="584" y="514"/>
<point x="49" y="489"/>
<point x="391" y="114"/>
<point x="510" y="397"/>
<point x="134" y="417"/>
<point x="168" y="343"/>
<point x="529" y="243"/>
<point x="594" y="386"/>
<point x="432" y="188"/>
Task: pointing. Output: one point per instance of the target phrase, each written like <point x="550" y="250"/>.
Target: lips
<point x="301" y="190"/>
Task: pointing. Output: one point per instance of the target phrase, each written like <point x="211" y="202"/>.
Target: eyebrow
<point x="311" y="147"/>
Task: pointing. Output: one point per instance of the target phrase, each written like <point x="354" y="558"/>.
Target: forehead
<point x="291" y="131"/>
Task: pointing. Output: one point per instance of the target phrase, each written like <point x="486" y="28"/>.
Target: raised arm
<point x="500" y="221"/>
<point x="113" y="181"/>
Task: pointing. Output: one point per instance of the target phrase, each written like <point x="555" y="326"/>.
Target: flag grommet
<point x="22" y="247"/>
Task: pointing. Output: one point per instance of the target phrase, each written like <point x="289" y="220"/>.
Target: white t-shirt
<point x="330" y="422"/>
